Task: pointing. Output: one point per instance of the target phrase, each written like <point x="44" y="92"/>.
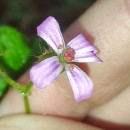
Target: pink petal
<point x="84" y="51"/>
<point x="45" y="72"/>
<point x="81" y="84"/>
<point x="49" y="30"/>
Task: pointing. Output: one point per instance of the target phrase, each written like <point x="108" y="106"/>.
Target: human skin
<point x="106" y="24"/>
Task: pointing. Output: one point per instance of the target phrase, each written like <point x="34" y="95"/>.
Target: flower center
<point x="68" y="55"/>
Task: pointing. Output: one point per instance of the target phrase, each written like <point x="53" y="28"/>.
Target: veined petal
<point x="84" y="51"/>
<point x="49" y="30"/>
<point x="45" y="72"/>
<point x="81" y="84"/>
<point x="87" y="57"/>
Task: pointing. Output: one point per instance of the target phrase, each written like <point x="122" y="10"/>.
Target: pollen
<point x="71" y="67"/>
<point x="69" y="54"/>
<point x="60" y="47"/>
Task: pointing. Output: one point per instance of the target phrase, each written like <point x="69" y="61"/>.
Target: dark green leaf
<point x="13" y="46"/>
<point x="3" y="87"/>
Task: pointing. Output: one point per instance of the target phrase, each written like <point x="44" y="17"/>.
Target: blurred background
<point x="27" y="14"/>
<point x="19" y="44"/>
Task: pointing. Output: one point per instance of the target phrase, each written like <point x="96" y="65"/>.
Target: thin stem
<point x="25" y="91"/>
<point x="28" y="87"/>
<point x="11" y="82"/>
<point x="45" y="56"/>
<point x="26" y="100"/>
<point x="27" y="105"/>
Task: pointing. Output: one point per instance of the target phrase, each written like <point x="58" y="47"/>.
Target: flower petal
<point x="84" y="51"/>
<point x="49" y="30"/>
<point x="81" y="84"/>
<point x="45" y="72"/>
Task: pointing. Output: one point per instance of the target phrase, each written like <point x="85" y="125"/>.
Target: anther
<point x="71" y="67"/>
<point x="60" y="47"/>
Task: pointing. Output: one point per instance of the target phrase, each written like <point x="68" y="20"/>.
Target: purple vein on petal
<point x="45" y="72"/>
<point x="49" y="30"/>
<point x="81" y="43"/>
<point x="87" y="57"/>
<point x="84" y="51"/>
<point x="81" y="84"/>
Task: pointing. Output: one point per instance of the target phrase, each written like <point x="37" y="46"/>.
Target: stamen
<point x="71" y="67"/>
<point x="60" y="47"/>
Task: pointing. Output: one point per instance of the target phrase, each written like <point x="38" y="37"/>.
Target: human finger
<point x="37" y="122"/>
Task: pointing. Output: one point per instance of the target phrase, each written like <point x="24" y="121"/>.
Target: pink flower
<point x="77" y="50"/>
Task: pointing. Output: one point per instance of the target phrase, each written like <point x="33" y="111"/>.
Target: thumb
<point x="37" y="122"/>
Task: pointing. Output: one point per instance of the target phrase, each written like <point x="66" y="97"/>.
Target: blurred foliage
<point x="14" y="52"/>
<point x="39" y="47"/>
<point x="27" y="14"/>
<point x="13" y="46"/>
<point x="3" y="87"/>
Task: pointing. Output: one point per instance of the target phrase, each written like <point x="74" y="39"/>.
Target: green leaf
<point x="39" y="46"/>
<point x="13" y="46"/>
<point x="3" y="87"/>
